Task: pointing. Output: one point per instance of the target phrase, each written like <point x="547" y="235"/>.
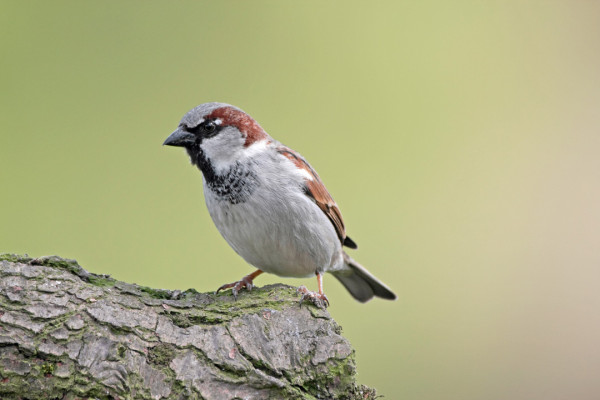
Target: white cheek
<point x="222" y="150"/>
<point x="254" y="149"/>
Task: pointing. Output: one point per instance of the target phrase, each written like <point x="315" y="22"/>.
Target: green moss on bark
<point x="161" y="354"/>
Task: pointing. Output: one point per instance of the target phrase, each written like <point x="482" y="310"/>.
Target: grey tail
<point x="360" y="283"/>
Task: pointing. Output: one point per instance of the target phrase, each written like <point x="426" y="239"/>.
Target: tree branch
<point x="66" y="333"/>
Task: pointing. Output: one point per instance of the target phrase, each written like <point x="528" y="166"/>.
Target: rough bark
<point x="68" y="334"/>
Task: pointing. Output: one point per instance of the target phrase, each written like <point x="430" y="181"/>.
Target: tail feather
<point x="360" y="283"/>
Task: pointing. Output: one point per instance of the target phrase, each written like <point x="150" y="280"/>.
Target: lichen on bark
<point x="66" y="333"/>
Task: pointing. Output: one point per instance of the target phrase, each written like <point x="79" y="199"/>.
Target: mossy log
<point x="66" y="333"/>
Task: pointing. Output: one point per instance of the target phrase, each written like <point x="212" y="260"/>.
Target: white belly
<point x="288" y="235"/>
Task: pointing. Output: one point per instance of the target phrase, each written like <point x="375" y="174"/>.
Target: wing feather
<point x="315" y="189"/>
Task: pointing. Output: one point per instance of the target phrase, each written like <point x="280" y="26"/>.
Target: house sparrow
<point x="269" y="203"/>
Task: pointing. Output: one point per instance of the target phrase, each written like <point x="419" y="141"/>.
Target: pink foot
<point x="245" y="282"/>
<point x="318" y="299"/>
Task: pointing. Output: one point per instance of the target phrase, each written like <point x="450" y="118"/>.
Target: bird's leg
<point x="245" y="282"/>
<point x="318" y="299"/>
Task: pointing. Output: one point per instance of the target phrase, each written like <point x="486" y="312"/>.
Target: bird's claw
<point x="318" y="299"/>
<point x="245" y="282"/>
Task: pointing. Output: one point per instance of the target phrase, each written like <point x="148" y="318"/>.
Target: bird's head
<point x="216" y="135"/>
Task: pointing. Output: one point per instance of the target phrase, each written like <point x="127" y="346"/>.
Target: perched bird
<point x="269" y="203"/>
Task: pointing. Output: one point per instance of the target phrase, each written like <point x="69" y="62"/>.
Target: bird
<point x="269" y="204"/>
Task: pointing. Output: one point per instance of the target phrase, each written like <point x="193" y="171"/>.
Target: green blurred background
<point x="460" y="139"/>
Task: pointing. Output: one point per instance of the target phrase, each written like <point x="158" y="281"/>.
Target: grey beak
<point x="180" y="138"/>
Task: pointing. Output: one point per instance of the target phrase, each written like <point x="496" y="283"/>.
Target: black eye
<point x="210" y="127"/>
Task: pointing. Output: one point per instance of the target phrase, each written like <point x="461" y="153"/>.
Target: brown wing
<point x="315" y="189"/>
